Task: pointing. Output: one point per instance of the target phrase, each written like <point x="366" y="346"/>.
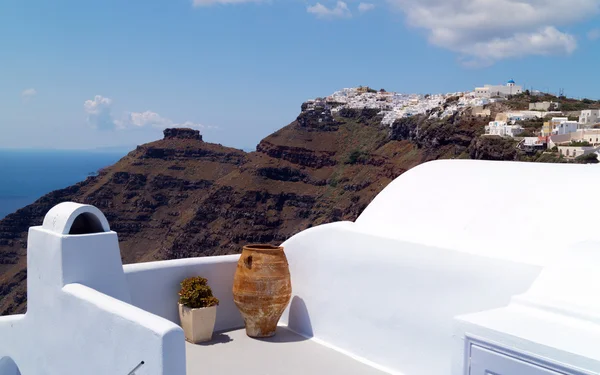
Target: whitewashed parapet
<point x="454" y="238"/>
<point x="154" y="286"/>
<point x="387" y="302"/>
<point x="79" y="318"/>
<point x="552" y="328"/>
<point x="60" y="219"/>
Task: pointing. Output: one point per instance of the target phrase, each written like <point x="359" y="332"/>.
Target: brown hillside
<point x="182" y="197"/>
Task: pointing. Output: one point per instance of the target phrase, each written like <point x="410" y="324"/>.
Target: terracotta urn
<point x="198" y="324"/>
<point x="262" y="288"/>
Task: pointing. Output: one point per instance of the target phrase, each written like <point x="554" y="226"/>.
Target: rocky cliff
<point x="182" y="197"/>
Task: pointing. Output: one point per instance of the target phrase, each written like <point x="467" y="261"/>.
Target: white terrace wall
<point x="390" y="303"/>
<point x="154" y="286"/>
<point x="553" y="328"/>
<point x="79" y="320"/>
<point x="444" y="239"/>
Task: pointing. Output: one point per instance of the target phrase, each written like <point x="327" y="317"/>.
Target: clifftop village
<point x="543" y="126"/>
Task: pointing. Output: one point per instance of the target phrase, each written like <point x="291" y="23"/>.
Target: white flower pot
<point x="198" y="324"/>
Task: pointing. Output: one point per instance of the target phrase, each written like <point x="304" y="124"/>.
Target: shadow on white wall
<point x="8" y="367"/>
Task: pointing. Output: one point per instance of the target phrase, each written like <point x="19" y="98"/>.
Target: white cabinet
<point x="487" y="362"/>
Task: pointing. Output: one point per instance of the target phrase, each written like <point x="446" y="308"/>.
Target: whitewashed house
<point x="571" y="152"/>
<point x="528" y="115"/>
<point x="522" y="115"/>
<point x="503" y="129"/>
<point x="480" y="111"/>
<point x="589" y="117"/>
<point x="562" y="125"/>
<point x="534" y="141"/>
<point x="591" y="136"/>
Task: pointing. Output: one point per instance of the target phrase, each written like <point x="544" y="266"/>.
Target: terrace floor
<point x="286" y="353"/>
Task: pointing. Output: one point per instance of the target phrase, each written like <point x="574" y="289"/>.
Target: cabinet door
<point x="488" y="362"/>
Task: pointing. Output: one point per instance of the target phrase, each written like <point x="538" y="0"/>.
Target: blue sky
<point x="87" y="74"/>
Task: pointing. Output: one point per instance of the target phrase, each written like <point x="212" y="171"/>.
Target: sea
<point x="26" y="175"/>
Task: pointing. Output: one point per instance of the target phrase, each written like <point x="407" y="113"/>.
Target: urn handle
<point x="248" y="262"/>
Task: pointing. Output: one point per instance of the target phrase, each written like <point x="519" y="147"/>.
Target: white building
<point x="589" y="117"/>
<point x="480" y="111"/>
<point x="571" y="152"/>
<point x="534" y="141"/>
<point x="512" y="117"/>
<point x="503" y="129"/>
<point x="588" y="135"/>
<point x="522" y="115"/>
<point x="394" y="105"/>
<point x="562" y="125"/>
<point x="544" y="106"/>
<point x="591" y="136"/>
<point x="488" y="91"/>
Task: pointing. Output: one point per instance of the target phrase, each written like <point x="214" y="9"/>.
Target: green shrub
<point x="587" y="159"/>
<point x="356" y="157"/>
<point x="533" y="124"/>
<point x="567" y="106"/>
<point x="580" y="143"/>
<point x="549" y="158"/>
<point x="195" y="293"/>
<point x="527" y="133"/>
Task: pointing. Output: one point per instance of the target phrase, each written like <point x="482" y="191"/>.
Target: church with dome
<point x="490" y="91"/>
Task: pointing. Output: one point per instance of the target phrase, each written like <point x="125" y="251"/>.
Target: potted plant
<point x="197" y="309"/>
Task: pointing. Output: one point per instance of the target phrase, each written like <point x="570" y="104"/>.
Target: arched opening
<point x="8" y="367"/>
<point x="86" y="223"/>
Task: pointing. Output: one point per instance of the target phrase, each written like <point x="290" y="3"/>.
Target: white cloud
<point x="99" y="113"/>
<point x="203" y="3"/>
<point x="546" y="41"/>
<point x="492" y="30"/>
<point x="593" y="34"/>
<point x="365" y="7"/>
<point x="339" y="11"/>
<point x="28" y="93"/>
<point x="153" y="119"/>
<point x="149" y="118"/>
